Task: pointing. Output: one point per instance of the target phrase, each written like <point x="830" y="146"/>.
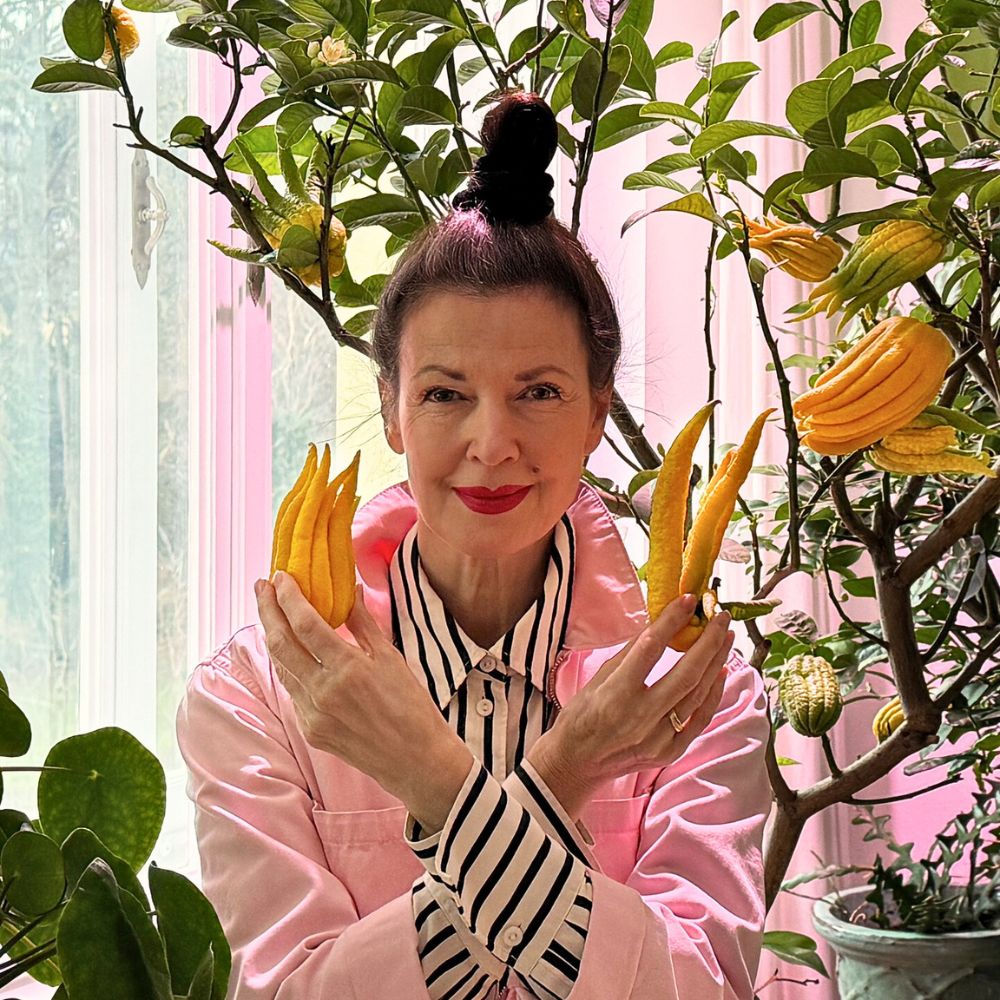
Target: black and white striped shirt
<point x="506" y="897"/>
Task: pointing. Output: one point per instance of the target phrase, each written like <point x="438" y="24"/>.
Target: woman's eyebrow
<point x="525" y="376"/>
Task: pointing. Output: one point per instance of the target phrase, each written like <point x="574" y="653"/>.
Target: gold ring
<point x="675" y="722"/>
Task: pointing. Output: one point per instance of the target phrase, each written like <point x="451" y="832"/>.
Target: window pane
<point x="39" y="389"/>
<point x="173" y="255"/>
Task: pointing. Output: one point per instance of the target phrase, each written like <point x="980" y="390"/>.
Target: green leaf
<point x="650" y="178"/>
<point x="353" y="71"/>
<point x="394" y="212"/>
<point x="786" y="761"/>
<point x="260" y="111"/>
<point x="642" y="74"/>
<point x="32" y="871"/>
<point x="670" y="111"/>
<point x="622" y="123"/>
<point x="100" y="956"/>
<point x="860" y="587"/>
<point x="426" y="106"/>
<point x="15" y="729"/>
<point x="718" y="135"/>
<point x="896" y="210"/>
<point x="294" y="122"/>
<point x="189" y="925"/>
<point x="962" y="421"/>
<point x="83" y="29"/>
<point x="779" y="16"/>
<point x="70" y="75"/>
<point x="693" y="204"/>
<point x="267" y="189"/>
<point x="237" y="253"/>
<point x="813" y="108"/>
<point x="726" y="85"/>
<point x="587" y="75"/>
<point x="798" y="949"/>
<point x="572" y="17"/>
<point x="742" y="611"/>
<point x="81" y="847"/>
<point x="826" y="166"/>
<point x="114" y="786"/>
<point x="299" y="247"/>
<point x="865" y="23"/>
<point x="856" y="59"/>
<point x="189" y="131"/>
<point x="922" y="62"/>
<point x="673" y="52"/>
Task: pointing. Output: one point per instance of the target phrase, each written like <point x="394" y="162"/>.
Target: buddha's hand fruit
<point x="677" y="566"/>
<point x="125" y="32"/>
<point x="796" y="249"/>
<point x="877" y="387"/>
<point x="810" y="695"/>
<point x="312" y="536"/>
<point x="924" y="446"/>
<point x="888" y="719"/>
<point x="891" y="254"/>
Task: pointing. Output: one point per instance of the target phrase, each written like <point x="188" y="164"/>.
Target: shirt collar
<point x="427" y="633"/>
<point x="608" y="607"/>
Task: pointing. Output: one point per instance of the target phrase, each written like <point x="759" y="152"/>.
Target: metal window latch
<point x="143" y="183"/>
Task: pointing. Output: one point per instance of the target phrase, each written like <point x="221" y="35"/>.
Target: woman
<point x="495" y="780"/>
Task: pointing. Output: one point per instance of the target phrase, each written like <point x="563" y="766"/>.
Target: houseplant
<point x="918" y="538"/>
<point x="72" y="911"/>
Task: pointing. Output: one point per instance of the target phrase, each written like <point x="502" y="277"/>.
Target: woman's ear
<point x="602" y="406"/>
<point x="390" y="421"/>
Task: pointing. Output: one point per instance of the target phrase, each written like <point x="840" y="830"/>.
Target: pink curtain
<point x="675" y="375"/>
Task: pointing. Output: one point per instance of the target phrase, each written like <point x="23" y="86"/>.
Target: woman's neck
<point x="487" y="597"/>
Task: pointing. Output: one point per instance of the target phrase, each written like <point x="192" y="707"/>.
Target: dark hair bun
<point x="509" y="182"/>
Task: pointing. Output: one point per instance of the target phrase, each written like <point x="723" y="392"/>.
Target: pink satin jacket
<point x="304" y="857"/>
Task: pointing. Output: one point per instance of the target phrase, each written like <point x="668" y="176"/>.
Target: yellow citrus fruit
<point x="310" y="216"/>
<point x="126" y="33"/>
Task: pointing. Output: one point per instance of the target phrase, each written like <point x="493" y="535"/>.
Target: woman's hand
<point x="616" y="725"/>
<point x="361" y="703"/>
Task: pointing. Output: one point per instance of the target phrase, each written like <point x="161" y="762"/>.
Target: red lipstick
<point x="485" y="501"/>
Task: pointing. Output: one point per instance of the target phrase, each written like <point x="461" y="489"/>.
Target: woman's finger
<point x="700" y="717"/>
<point x="282" y="643"/>
<point x="311" y="633"/>
<point x="690" y="702"/>
<point x="685" y="675"/>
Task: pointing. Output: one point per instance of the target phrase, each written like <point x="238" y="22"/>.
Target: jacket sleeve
<point x="689" y="920"/>
<point x="293" y="928"/>
<point x="451" y="954"/>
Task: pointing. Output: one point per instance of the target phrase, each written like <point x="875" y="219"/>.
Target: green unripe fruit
<point x="810" y="695"/>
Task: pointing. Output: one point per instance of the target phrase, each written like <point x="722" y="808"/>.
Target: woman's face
<point x="494" y="392"/>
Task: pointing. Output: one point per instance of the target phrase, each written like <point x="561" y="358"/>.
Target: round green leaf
<point x="83" y="28"/>
<point x="99" y="954"/>
<point x="81" y="847"/>
<point x="188" y="925"/>
<point x="15" y="730"/>
<point x="114" y="786"/>
<point x="32" y="869"/>
<point x="71" y="75"/>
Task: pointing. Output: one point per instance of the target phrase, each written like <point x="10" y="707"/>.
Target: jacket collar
<point x="607" y="607"/>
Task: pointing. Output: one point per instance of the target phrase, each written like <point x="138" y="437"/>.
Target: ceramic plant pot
<point x="874" y="964"/>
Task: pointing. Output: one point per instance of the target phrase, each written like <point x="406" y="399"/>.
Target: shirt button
<point x="484" y="706"/>
<point x="488" y="663"/>
<point x="512" y="935"/>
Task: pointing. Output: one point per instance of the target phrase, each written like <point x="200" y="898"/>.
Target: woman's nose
<point x="492" y="435"/>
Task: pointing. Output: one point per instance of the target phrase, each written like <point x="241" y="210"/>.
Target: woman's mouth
<point x="481" y="502"/>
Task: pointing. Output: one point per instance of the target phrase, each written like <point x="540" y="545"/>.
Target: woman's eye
<point x="552" y="392"/>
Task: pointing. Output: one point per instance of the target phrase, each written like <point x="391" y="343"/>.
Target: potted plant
<point x="927" y="927"/>
<point x="902" y="514"/>
<point x="73" y="913"/>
